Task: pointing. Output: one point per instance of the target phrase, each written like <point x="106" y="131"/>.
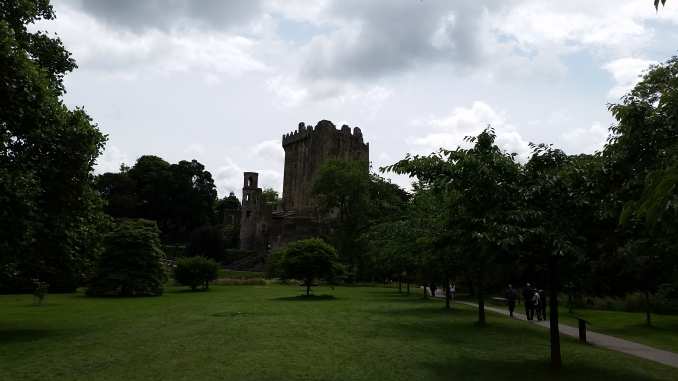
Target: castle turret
<point x="305" y="152"/>
<point x="250" y="210"/>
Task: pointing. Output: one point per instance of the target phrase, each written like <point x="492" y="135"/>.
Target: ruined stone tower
<point x="307" y="149"/>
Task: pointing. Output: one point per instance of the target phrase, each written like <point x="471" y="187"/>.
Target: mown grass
<point x="663" y="334"/>
<point x="270" y="333"/>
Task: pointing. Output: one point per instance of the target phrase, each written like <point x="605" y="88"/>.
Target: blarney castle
<point x="267" y="225"/>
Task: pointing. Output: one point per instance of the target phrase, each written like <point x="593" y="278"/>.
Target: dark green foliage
<point x="179" y="197"/>
<point x="131" y="264"/>
<point x="207" y="241"/>
<point x="310" y="259"/>
<point x="196" y="271"/>
<point x="273" y="268"/>
<point x="51" y="221"/>
<point x="118" y="190"/>
<point x="232" y="236"/>
<point x="352" y="199"/>
<point x="271" y="194"/>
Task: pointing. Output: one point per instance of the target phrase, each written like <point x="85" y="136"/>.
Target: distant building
<point x="265" y="225"/>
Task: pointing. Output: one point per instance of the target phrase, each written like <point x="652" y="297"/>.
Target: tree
<point x="51" y="220"/>
<point x="207" y="241"/>
<point x="645" y="142"/>
<point x="193" y="195"/>
<point x="656" y="4"/>
<point x="310" y="259"/>
<point x="153" y="187"/>
<point x="486" y="178"/>
<point x="118" y="190"/>
<point x="340" y="189"/>
<point x="271" y="195"/>
<point x="196" y="271"/>
<point x="131" y="264"/>
<point x="229" y="202"/>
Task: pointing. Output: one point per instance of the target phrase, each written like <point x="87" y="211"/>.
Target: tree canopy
<point x="51" y="220"/>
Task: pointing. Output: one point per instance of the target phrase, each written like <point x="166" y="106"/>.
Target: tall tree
<point x="50" y="217"/>
<point x="340" y="189"/>
<point x="487" y="179"/>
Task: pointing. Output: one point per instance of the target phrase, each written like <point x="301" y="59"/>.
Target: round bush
<point x="196" y="271"/>
<point x="131" y="263"/>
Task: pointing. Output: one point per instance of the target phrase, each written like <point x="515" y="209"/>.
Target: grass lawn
<point x="269" y="333"/>
<point x="625" y="325"/>
<point x="240" y="274"/>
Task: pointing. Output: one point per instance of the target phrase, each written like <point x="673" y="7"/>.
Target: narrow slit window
<point x="248" y="213"/>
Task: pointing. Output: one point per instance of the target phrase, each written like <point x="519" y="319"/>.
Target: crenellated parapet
<point x="323" y="127"/>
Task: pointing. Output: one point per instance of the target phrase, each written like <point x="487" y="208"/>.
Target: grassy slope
<point x="267" y="333"/>
<point x="625" y="325"/>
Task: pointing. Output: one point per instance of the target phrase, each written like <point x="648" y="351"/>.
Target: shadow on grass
<point x="481" y="369"/>
<point x="304" y="298"/>
<point x="20" y="335"/>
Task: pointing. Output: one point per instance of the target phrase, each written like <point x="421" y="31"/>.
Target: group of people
<point x="534" y="300"/>
<point x="451" y="289"/>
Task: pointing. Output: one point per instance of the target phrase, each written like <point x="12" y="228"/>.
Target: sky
<point x="221" y="81"/>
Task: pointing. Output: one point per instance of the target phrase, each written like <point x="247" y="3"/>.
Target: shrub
<point x="273" y="268"/>
<point x="131" y="263"/>
<point x="196" y="271"/>
<point x="207" y="241"/>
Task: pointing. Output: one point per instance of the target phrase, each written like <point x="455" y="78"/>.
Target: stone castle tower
<point x="305" y="152"/>
<point x="268" y="225"/>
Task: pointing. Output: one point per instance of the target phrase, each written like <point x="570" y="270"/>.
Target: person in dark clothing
<point x="432" y="287"/>
<point x="511" y="296"/>
<point x="528" y="296"/>
<point x="542" y="304"/>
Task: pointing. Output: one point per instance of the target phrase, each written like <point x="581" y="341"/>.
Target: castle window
<point x="249" y="182"/>
<point x="247" y="197"/>
<point x="248" y="213"/>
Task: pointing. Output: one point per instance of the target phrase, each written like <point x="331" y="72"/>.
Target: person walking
<point x="511" y="296"/>
<point x="432" y="287"/>
<point x="536" y="302"/>
<point x="528" y="296"/>
<point x="542" y="304"/>
<point x="453" y="289"/>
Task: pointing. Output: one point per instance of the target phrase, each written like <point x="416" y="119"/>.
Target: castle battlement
<point x="323" y="127"/>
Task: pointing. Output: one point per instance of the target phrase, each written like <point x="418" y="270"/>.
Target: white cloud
<point x="270" y="150"/>
<point x="625" y="72"/>
<point x="472" y="121"/>
<point x="121" y="54"/>
<point x="194" y="148"/>
<point x="560" y="117"/>
<point x="586" y="140"/>
<point x="229" y="178"/>
<point x="111" y="159"/>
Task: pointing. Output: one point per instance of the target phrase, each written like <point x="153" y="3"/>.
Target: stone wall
<point x="305" y="152"/>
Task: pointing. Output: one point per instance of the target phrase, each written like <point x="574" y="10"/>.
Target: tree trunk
<point x="407" y="277"/>
<point x="481" y="296"/>
<point x="569" y="300"/>
<point x="425" y="293"/>
<point x="556" y="360"/>
<point x="308" y="286"/>
<point x="400" y="282"/>
<point x="447" y="290"/>
<point x="470" y="286"/>
<point x="648" y="320"/>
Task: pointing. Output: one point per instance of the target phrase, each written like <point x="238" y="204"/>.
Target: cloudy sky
<point x="221" y="82"/>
